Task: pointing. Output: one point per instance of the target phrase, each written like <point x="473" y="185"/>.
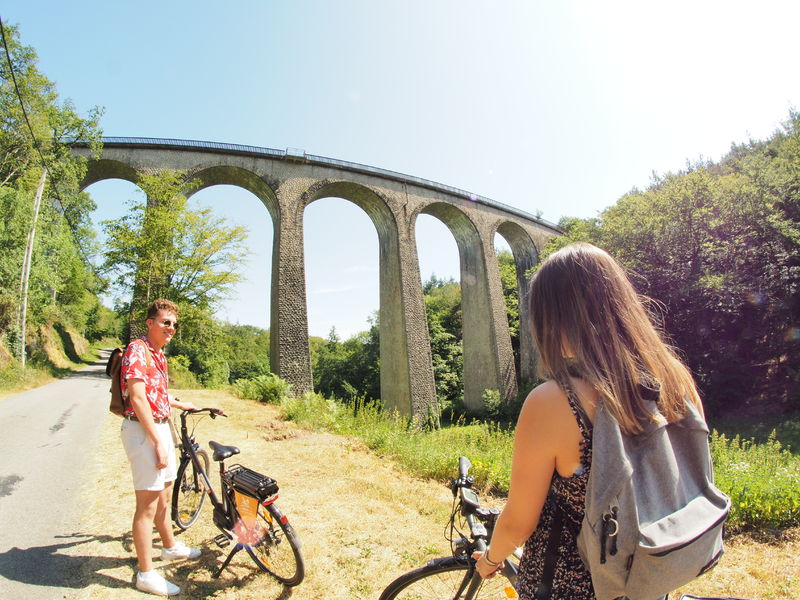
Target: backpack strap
<point x="149" y="362"/>
<point x="545" y="587"/>
<point x="584" y="423"/>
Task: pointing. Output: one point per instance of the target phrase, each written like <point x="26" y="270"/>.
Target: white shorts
<point x="142" y="455"/>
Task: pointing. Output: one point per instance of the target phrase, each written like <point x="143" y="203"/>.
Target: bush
<point x="266" y="388"/>
<point x="762" y="480"/>
<point x="179" y="374"/>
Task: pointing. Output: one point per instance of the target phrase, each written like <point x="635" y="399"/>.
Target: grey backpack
<point x="653" y="519"/>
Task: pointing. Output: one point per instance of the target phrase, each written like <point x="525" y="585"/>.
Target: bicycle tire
<point x="442" y="578"/>
<point x="278" y="551"/>
<point x="189" y="492"/>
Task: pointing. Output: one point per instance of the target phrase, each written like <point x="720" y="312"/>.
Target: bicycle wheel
<point x="189" y="492"/>
<point x="446" y="578"/>
<point x="278" y="551"/>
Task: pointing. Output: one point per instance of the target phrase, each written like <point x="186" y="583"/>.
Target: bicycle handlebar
<point x="212" y="412"/>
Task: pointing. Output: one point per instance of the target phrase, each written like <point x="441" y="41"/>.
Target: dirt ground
<point x="362" y="520"/>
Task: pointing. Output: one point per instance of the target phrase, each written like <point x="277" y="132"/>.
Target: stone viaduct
<point x="288" y="181"/>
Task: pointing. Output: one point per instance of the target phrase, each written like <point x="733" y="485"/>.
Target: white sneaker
<point x="179" y="550"/>
<point x="153" y="583"/>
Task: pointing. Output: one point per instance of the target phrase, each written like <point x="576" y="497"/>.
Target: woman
<point x="596" y="343"/>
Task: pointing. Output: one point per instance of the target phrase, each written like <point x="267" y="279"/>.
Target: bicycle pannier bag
<point x="113" y="368"/>
<point x="250" y="483"/>
<point x="653" y="518"/>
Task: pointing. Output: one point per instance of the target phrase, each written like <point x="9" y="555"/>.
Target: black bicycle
<point x="455" y="576"/>
<point x="245" y="512"/>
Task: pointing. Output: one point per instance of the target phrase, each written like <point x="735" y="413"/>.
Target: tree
<point x="718" y="248"/>
<point x="247" y="351"/>
<point x="36" y="130"/>
<point x="508" y="277"/>
<point x="349" y="370"/>
<point x="443" y="312"/>
<point x="163" y="248"/>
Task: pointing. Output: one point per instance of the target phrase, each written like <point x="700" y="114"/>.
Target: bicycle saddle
<point x="221" y="452"/>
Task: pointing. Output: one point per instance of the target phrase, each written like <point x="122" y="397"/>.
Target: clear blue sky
<point x="551" y="107"/>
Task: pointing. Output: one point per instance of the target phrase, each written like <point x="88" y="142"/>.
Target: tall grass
<point x="762" y="479"/>
<point x="427" y="453"/>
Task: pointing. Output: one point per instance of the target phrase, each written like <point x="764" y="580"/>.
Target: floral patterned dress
<point x="571" y="581"/>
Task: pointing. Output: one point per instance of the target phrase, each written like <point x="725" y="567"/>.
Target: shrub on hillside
<point x="180" y="376"/>
<point x="266" y="388"/>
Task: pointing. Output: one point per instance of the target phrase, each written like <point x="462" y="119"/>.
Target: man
<point x="148" y="443"/>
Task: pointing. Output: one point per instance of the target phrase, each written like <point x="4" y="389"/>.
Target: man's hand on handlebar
<point x="180" y="404"/>
<point x="213" y="412"/>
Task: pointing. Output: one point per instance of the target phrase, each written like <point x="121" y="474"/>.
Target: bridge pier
<point x="287" y="182"/>
<point x="289" y="349"/>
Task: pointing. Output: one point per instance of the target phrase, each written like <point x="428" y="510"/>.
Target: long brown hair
<point x="588" y="321"/>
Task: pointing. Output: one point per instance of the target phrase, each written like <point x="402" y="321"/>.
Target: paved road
<point x="47" y="437"/>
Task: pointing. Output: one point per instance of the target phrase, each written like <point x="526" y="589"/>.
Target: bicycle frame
<point x="481" y="522"/>
<point x="189" y="449"/>
<point x="225" y="513"/>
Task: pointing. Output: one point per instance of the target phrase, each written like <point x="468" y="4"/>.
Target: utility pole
<point x="26" y="267"/>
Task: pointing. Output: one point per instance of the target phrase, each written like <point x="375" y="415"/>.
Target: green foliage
<point x="428" y="453"/>
<point x="62" y="285"/>
<point x="351" y="368"/>
<point x="265" y="388"/>
<point x="443" y="313"/>
<point x="492" y="403"/>
<point x="201" y="339"/>
<point x="101" y="322"/>
<point x="246" y="349"/>
<point x="763" y="481"/>
<point x="718" y="248"/>
<point x="162" y="248"/>
<point x="180" y="376"/>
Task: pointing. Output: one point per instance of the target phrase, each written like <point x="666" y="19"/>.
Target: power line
<point x="38" y="149"/>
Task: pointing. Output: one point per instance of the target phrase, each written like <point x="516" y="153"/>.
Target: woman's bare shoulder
<point x="544" y="402"/>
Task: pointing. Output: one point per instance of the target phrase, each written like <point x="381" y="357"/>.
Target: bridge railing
<point x="301" y="156"/>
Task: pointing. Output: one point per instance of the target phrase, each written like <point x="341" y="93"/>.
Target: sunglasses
<point x="168" y="323"/>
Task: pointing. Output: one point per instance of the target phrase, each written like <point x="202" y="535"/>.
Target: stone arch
<point x="239" y="177"/>
<point x="101" y="169"/>
<point x="298" y="178"/>
<point x="406" y="377"/>
<point x="488" y="358"/>
<point x="526" y="256"/>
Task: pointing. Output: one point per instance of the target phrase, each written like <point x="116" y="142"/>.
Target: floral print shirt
<point x="155" y="376"/>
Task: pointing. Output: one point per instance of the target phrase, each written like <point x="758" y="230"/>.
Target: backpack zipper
<point x="609" y="529"/>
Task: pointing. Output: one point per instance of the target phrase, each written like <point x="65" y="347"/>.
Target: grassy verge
<point x="763" y="479"/>
<point x="15" y="379"/>
<point x="363" y="520"/>
<point x="424" y="453"/>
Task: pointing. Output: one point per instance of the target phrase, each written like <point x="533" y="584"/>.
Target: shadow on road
<point x="46" y="566"/>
